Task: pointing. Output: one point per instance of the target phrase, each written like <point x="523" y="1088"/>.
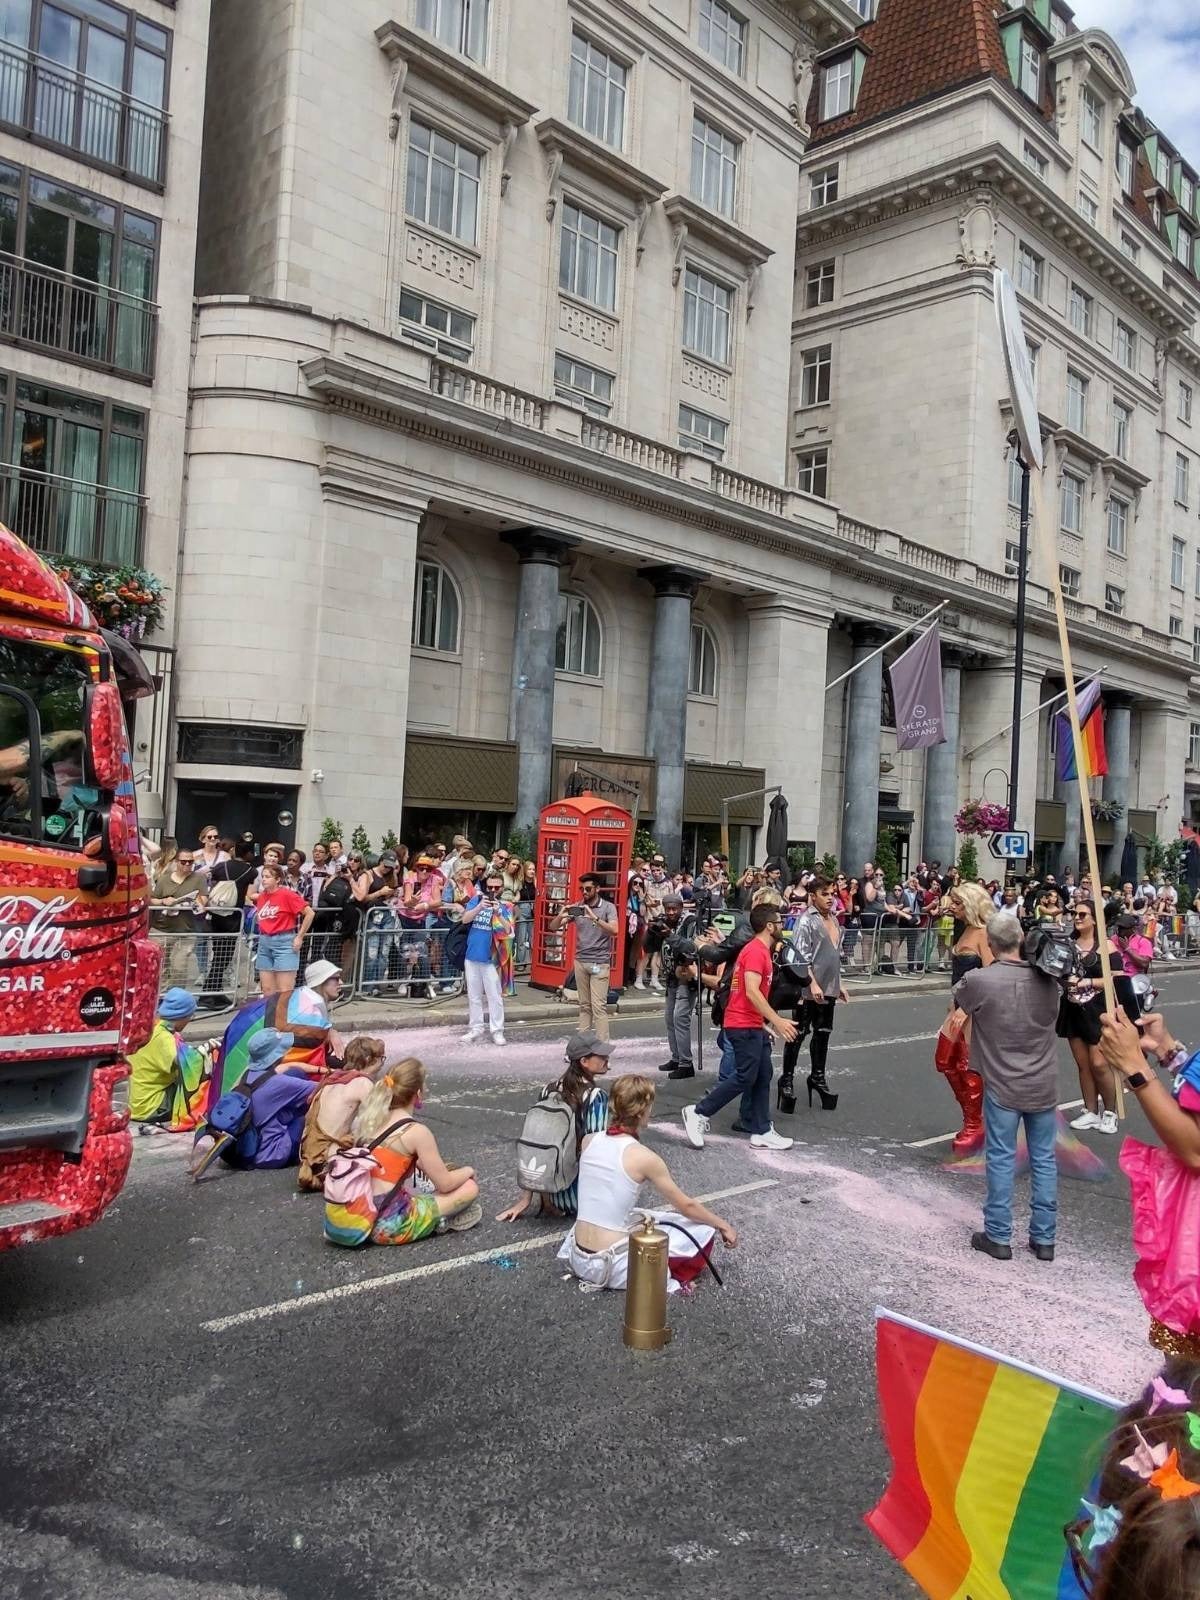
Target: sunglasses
<point x="210" y="837"/>
<point x="186" y="861"/>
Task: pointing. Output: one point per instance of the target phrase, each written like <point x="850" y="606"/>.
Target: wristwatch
<point x="1138" y="1080"/>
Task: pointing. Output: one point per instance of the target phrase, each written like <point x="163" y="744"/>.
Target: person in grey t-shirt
<point x="595" y="922"/>
<point x="1012" y="1009"/>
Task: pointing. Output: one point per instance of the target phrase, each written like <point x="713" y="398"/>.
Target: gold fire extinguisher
<point x="646" y="1288"/>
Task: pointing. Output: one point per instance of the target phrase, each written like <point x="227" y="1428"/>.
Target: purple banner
<point x="917" y="694"/>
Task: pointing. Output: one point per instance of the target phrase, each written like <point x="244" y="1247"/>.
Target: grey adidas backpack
<point x="548" y="1146"/>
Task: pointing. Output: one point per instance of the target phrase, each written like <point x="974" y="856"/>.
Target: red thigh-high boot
<point x="951" y="1059"/>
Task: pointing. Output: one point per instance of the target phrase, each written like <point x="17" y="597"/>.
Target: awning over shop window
<point x="705" y="786"/>
<point x="451" y="774"/>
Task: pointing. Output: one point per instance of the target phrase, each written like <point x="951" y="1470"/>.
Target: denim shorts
<point x="275" y="953"/>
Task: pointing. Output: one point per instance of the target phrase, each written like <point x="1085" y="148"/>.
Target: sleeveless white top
<point x="607" y="1194"/>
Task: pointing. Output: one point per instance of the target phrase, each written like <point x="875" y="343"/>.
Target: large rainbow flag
<point x="990" y="1461"/>
<point x="1091" y="728"/>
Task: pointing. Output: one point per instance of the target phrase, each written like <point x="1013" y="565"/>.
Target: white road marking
<point x="876" y="1044"/>
<point x="944" y="1138"/>
<point x="367" y="1285"/>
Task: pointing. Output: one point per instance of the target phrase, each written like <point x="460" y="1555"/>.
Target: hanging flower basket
<point x="981" y="817"/>
<point x="127" y="600"/>
<point x="1107" y="811"/>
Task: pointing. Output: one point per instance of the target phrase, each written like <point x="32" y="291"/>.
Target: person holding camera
<point x="489" y="921"/>
<point x="675" y="932"/>
<point x="1013" y="1008"/>
<point x="596" y="927"/>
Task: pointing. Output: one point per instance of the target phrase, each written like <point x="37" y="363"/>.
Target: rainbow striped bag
<point x="351" y="1209"/>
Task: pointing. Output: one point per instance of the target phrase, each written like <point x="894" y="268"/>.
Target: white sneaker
<point x="770" y="1140"/>
<point x="1108" y="1122"/>
<point x="638" y="984"/>
<point x="695" y="1126"/>
<point x="656" y="986"/>
<point x="471" y="1035"/>
<point x="498" y="1038"/>
<point x="1086" y="1119"/>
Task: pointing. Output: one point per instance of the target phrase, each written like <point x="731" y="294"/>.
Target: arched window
<point x="578" y="648"/>
<point x="436" y="609"/>
<point x="703" y="676"/>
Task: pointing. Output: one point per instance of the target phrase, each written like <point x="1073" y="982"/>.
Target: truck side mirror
<point x="106" y="737"/>
<point x="105" y="848"/>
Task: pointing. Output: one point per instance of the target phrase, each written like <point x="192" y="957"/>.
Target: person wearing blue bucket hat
<point x="167" y="1076"/>
<point x="267" y="1048"/>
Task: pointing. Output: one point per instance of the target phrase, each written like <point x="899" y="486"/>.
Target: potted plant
<point x="978" y="818"/>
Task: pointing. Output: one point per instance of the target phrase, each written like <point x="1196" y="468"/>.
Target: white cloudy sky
<point x="1161" y="41"/>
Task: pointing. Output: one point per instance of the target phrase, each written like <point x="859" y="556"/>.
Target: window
<point x="1029" y="271"/>
<point x="84" y="280"/>
<point x="1016" y="474"/>
<point x="818" y="284"/>
<point x="704" y="434"/>
<point x="702" y="675"/>
<point x="865" y="8"/>
<point x="1125" y="161"/>
<point x="816" y="368"/>
<point x="1126" y="346"/>
<point x="1029" y="71"/>
<point x="1118" y="524"/>
<point x="1070" y="514"/>
<point x="581" y="385"/>
<point x="43" y="696"/>
<point x="1069" y="580"/>
<point x="1195" y="662"/>
<point x="1012" y="559"/>
<point x="1130" y="248"/>
<point x="596" y="95"/>
<point x="1183" y="247"/>
<point x="714" y="166"/>
<point x="436" y="609"/>
<point x="577" y="647"/>
<point x="1183" y="469"/>
<point x="1080" y="310"/>
<point x="1162" y="169"/>
<point x="1196" y="582"/>
<point x="1088" y="209"/>
<point x="451" y="333"/>
<point x="822" y="187"/>
<point x="443" y="182"/>
<point x="813" y="476"/>
<point x="1091" y="119"/>
<point x="1187" y="193"/>
<point x="707" y="316"/>
<point x="723" y="35"/>
<point x="836" y="83"/>
<point x="1077" y="393"/>
<point x="89" y="76"/>
<point x="1178" y="557"/>
<point x="1035" y="160"/>
<point x="1185" y="402"/>
<point x="1156" y="213"/>
<point x="1194" y="744"/>
<point x="1122" y="424"/>
<point x="71" y="473"/>
<point x="1175" y="627"/>
<point x="1031" y="350"/>
<point x="458" y="24"/>
<point x="1114" y="600"/>
<point x="1058" y="25"/>
<point x="587" y="257"/>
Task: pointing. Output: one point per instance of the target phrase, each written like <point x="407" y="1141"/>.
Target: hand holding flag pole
<point x="1028" y="424"/>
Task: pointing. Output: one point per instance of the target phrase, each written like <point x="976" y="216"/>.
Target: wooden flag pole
<point x="1085" y="802"/>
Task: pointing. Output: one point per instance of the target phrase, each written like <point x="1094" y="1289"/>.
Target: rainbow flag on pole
<point x="1091" y="726"/>
<point x="990" y="1460"/>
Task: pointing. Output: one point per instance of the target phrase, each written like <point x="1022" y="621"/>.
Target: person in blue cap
<point x="279" y="1095"/>
<point x="168" y="1078"/>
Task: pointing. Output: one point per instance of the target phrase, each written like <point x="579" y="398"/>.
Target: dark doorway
<point x="235" y="809"/>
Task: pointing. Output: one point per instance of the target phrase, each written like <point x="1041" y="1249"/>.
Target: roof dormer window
<point x="1058" y="25"/>
<point x="837" y="82"/>
<point x="1029" y="71"/>
<point x="1162" y="168"/>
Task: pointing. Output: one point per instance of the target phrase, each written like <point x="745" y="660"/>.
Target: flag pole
<point x="887" y="643"/>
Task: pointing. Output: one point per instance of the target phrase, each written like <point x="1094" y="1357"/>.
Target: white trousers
<point x="483" y="981"/>
<point x="609" y="1269"/>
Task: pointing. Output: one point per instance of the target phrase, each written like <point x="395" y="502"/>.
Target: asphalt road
<point x="189" y="1414"/>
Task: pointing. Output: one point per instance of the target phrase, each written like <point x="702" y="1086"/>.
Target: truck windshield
<point x="42" y="793"/>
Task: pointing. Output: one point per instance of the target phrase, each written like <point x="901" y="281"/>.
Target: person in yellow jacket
<point x="168" y="1078"/>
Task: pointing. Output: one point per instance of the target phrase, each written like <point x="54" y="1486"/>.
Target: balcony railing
<point x="59" y="516"/>
<point x="63" y="107"/>
<point x="86" y="320"/>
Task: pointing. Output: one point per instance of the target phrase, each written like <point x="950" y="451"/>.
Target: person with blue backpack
<point x="259" y="1121"/>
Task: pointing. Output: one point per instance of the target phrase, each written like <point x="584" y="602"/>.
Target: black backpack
<point x="454" y="947"/>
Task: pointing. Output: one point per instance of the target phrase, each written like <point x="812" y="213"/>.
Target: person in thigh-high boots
<point x="970" y="906"/>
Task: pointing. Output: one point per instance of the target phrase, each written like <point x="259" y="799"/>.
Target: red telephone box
<point x="574" y="837"/>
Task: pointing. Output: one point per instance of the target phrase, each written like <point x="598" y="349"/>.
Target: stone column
<point x="531" y="713"/>
<point x="1068" y="792"/>
<point x="785" y="726"/>
<point x="860" y="780"/>
<point x="666" y="698"/>
<point x="938" y="839"/>
<point x="1118" y="714"/>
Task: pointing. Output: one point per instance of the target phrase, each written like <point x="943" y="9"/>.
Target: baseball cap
<point x="388" y="858"/>
<point x="318" y="972"/>
<point x="1127" y="919"/>
<point x="588" y="1044"/>
<point x="672" y="900"/>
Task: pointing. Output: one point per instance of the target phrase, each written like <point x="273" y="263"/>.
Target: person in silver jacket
<point x="817" y="938"/>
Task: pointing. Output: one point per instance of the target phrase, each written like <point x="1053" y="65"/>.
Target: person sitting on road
<point x="407" y="1214"/>
<point x="168" y="1078"/>
<point x="334" y="1107"/>
<point x="304" y="1013"/>
<point x="587" y="1060"/>
<point x="612" y="1169"/>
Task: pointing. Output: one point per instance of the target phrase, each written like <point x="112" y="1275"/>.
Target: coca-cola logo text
<point x="35" y="939"/>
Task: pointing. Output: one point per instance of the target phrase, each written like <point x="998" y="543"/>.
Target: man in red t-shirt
<point x="747" y="1016"/>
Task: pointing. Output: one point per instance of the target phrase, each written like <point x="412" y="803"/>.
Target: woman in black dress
<point x="1079" y="1024"/>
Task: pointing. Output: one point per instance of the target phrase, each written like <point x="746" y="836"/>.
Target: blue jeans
<point x="726" y="1070"/>
<point x="1000" y="1154"/>
<point x="751" y="1075"/>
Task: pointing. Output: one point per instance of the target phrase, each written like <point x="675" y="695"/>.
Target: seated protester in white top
<point x="612" y="1169"/>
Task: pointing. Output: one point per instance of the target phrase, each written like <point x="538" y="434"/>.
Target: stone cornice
<point x="692" y="221"/>
<point x="567" y="147"/>
<point x="409" y="50"/>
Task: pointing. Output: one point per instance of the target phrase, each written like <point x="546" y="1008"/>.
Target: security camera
<point x="316" y="775"/>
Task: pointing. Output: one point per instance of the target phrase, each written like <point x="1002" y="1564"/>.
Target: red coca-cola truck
<point x="78" y="973"/>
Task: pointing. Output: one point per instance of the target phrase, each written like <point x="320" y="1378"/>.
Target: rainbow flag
<point x="990" y="1461"/>
<point x="1091" y="726"/>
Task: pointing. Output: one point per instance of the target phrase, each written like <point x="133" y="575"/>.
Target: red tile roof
<point x="919" y="49"/>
